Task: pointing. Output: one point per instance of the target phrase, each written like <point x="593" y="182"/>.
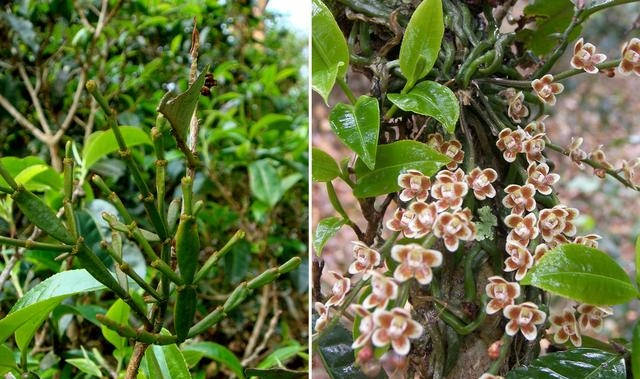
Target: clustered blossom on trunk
<point x="433" y="206"/>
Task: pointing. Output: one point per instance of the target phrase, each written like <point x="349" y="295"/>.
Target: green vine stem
<point x="240" y="294"/>
<point x="217" y="255"/>
<point x="139" y="335"/>
<point x="347" y="91"/>
<point x="29" y="244"/>
<point x="506" y="341"/>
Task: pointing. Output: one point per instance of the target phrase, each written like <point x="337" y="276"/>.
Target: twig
<point x="595" y="165"/>
<point x="34" y="100"/>
<point x="136" y="357"/>
<point x="257" y="326"/>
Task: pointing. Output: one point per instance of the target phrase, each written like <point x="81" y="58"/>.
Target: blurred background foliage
<point x="253" y="139"/>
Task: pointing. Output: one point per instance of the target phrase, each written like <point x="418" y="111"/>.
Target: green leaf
<point x="118" y="312"/>
<point x="573" y="364"/>
<point x="638" y="261"/>
<point x="393" y="159"/>
<point x="102" y="143"/>
<point x="551" y="17"/>
<point x="32" y="309"/>
<point x="265" y="182"/>
<point x="358" y="127"/>
<point x="635" y="350"/>
<point x="421" y="41"/>
<point x="329" y="51"/>
<point x="7" y="360"/>
<point x="327" y="228"/>
<point x="236" y="262"/>
<point x="32" y="172"/>
<point x="334" y="347"/>
<point x="266" y="122"/>
<point x="178" y="109"/>
<point x="166" y="362"/>
<point x="486" y="224"/>
<point x="430" y="99"/>
<point x="277" y="373"/>
<point x="217" y="353"/>
<point x="583" y="274"/>
<point x="86" y="365"/>
<point x="323" y="167"/>
<point x="280" y="356"/>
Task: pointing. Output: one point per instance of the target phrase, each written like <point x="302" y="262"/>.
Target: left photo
<point x="154" y="189"/>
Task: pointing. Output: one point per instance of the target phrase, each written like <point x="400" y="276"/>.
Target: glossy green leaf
<point x="551" y="18"/>
<point x="635" y="350"/>
<point x="583" y="274"/>
<point x="638" y="261"/>
<point x="421" y="41"/>
<point x="430" y="99"/>
<point x="218" y="353"/>
<point x="102" y="143"/>
<point x="329" y="51"/>
<point x="276" y="373"/>
<point x="573" y="364"/>
<point x="178" y="109"/>
<point x="31" y="310"/>
<point x="334" y="348"/>
<point x="323" y="167"/>
<point x="7" y="360"/>
<point x="86" y="365"/>
<point x="393" y="159"/>
<point x="32" y="172"/>
<point x="166" y="362"/>
<point x="327" y="228"/>
<point x="265" y="182"/>
<point x="118" y="312"/>
<point x="358" y="127"/>
<point x="281" y="355"/>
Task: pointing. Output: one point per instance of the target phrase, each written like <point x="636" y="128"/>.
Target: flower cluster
<point x="566" y="327"/>
<point x="529" y="141"/>
<point x="444" y="216"/>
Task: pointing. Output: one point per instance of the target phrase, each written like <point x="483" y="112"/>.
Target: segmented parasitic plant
<point x="173" y="232"/>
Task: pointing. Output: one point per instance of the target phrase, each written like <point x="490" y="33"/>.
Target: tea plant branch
<point x="526" y="84"/>
<point x="240" y="294"/>
<point x="613" y="173"/>
<point x="257" y="326"/>
<point x="194" y="125"/>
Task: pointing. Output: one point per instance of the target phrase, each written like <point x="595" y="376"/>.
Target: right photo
<point x="475" y="189"/>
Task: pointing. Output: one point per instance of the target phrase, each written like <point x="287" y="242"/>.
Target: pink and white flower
<point x="519" y="198"/>
<point x="395" y="327"/>
<point x="524" y="318"/>
<point x="523" y="229"/>
<point x="383" y="289"/>
<point x="501" y="292"/>
<point x="480" y="182"/>
<point x="453" y="227"/>
<point x="323" y="316"/>
<point x="415" y="262"/>
<point x="449" y="189"/>
<point x="511" y="142"/>
<point x="365" y="259"/>
<point x="414" y="185"/>
<point x="546" y="89"/>
<point x="341" y="286"/>
<point x="366" y="326"/>
<point x="565" y="327"/>
<point x="591" y="316"/>
<point x="425" y="216"/>
<point x="520" y="260"/>
<point x="539" y="177"/>
<point x="585" y="57"/>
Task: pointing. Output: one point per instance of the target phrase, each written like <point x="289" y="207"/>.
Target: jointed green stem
<point x="140" y="335"/>
<point x="28" y="244"/>
<point x="216" y="256"/>
<point x="240" y="294"/>
<point x="125" y="153"/>
<point x="131" y="272"/>
<point x="504" y="351"/>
